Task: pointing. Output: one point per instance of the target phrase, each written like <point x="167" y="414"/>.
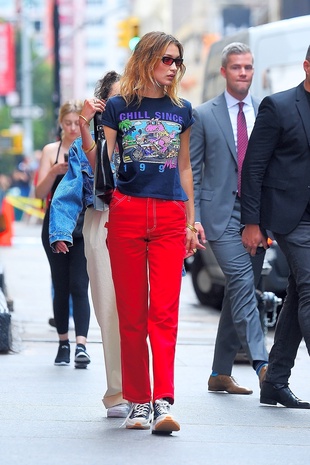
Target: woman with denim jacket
<point x="69" y="274"/>
<point x="76" y="191"/>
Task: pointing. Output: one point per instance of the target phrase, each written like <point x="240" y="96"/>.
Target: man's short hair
<point x="234" y="48"/>
<point x="308" y="54"/>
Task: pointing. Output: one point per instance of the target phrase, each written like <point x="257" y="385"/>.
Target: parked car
<point x="209" y="281"/>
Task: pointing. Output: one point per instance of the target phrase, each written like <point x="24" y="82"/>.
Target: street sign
<point x="34" y="112"/>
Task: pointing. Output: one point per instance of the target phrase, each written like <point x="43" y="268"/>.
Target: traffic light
<point x="134" y="32"/>
<point x="128" y="32"/>
<point x="17" y="144"/>
<point x="122" y="34"/>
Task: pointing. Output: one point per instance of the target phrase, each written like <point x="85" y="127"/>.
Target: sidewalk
<point x="54" y="415"/>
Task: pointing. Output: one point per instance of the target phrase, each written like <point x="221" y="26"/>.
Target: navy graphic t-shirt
<point x="148" y="138"/>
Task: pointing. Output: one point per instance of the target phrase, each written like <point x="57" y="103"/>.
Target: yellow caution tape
<point x="29" y="205"/>
<point x="28" y="201"/>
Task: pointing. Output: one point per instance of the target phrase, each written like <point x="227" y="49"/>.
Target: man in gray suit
<point x="214" y="156"/>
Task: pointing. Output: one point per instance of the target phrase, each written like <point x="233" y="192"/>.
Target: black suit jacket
<point x="276" y="170"/>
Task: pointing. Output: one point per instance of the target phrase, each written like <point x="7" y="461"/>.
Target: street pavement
<point x="53" y="415"/>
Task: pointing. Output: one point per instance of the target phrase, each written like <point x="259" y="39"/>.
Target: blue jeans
<point x="294" y="319"/>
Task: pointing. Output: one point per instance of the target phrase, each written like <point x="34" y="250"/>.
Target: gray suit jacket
<point x="214" y="165"/>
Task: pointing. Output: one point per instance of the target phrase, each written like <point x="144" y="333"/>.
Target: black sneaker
<point x="82" y="359"/>
<point x="63" y="355"/>
<point x="139" y="417"/>
<point x="163" y="422"/>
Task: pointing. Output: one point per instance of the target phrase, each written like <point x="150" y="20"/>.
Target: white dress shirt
<point x="248" y="110"/>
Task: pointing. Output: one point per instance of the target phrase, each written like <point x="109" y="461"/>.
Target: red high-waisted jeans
<point x="146" y="242"/>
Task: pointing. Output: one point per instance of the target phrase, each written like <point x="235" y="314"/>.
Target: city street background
<point x="54" y="414"/>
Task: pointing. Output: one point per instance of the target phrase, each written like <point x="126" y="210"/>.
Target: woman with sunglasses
<point x="151" y="222"/>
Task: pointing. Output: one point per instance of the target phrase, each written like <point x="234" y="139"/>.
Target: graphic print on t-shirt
<point x="151" y="141"/>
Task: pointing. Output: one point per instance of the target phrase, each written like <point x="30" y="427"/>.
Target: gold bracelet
<point x="83" y="117"/>
<point x="191" y="227"/>
<point x="90" y="148"/>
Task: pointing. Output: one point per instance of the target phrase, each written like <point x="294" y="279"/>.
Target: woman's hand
<point x="61" y="247"/>
<point x="192" y="240"/>
<point x="59" y="168"/>
<point x="90" y="107"/>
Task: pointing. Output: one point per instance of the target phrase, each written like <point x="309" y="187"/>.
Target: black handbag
<point x="103" y="177"/>
<point x="5" y="325"/>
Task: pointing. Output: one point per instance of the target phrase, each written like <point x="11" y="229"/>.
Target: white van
<point x="279" y="49"/>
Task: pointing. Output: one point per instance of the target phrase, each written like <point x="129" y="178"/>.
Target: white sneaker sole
<point x="136" y="424"/>
<point x="165" y="424"/>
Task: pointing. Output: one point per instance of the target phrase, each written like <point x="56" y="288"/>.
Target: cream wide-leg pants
<point x="103" y="297"/>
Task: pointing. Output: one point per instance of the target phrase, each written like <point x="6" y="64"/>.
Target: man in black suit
<point x="276" y="197"/>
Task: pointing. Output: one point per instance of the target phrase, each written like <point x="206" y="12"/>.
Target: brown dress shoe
<point x="228" y="384"/>
<point x="262" y="375"/>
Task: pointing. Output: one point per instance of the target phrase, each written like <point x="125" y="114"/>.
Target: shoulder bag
<point x="103" y="176"/>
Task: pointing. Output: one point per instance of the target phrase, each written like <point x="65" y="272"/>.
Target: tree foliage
<point x="42" y="92"/>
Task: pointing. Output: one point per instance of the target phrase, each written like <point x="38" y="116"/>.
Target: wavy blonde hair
<point x="71" y="106"/>
<point x="139" y="71"/>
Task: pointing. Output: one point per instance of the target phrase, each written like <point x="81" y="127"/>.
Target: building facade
<point x="87" y="44"/>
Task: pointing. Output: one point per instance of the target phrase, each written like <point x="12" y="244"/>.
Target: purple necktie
<point x="242" y="141"/>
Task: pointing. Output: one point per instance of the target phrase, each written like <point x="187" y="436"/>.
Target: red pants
<point x="146" y="242"/>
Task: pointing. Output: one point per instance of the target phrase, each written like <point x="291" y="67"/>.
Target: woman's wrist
<point x="90" y="148"/>
<point x="84" y="119"/>
<point x="191" y="227"/>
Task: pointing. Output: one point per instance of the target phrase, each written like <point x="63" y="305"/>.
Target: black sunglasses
<point x="169" y="60"/>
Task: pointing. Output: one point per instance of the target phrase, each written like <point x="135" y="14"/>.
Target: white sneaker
<point x="139" y="417"/>
<point x="163" y="422"/>
<point x="119" y="410"/>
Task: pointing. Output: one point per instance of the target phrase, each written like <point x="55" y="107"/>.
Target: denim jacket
<point x="73" y="194"/>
